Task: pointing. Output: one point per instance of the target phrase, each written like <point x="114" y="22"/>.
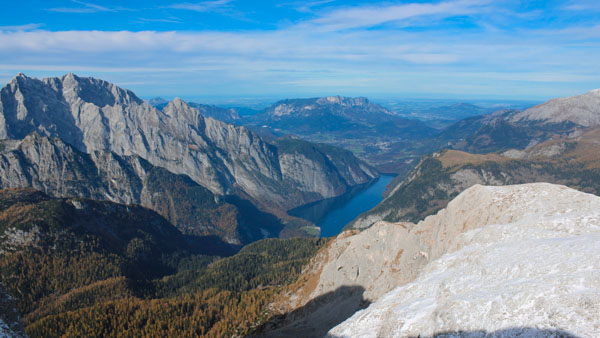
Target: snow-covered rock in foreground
<point x="532" y="268"/>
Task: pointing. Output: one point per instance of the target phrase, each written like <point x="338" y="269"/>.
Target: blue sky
<point x="234" y="48"/>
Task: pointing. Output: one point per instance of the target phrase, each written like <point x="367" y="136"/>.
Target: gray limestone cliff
<point x="58" y="169"/>
<point x="94" y="115"/>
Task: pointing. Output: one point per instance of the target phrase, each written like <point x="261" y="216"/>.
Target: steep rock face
<point x="56" y="168"/>
<point x="582" y="109"/>
<point x="574" y="162"/>
<point x="94" y="115"/>
<point x="520" y="259"/>
<point x="320" y="168"/>
<point x="217" y="113"/>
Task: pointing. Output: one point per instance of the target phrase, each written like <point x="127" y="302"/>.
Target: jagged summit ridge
<point x="502" y="258"/>
<point x="95" y="115"/>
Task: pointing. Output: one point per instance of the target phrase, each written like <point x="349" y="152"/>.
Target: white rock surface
<point x="504" y="261"/>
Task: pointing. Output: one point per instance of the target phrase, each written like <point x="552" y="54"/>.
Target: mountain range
<point x="97" y="117"/>
<point x="116" y="215"/>
<point x="370" y="131"/>
<point x="58" y="169"/>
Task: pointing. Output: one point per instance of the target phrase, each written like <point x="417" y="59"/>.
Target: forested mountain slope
<point x="79" y="267"/>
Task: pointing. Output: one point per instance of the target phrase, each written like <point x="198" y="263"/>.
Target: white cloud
<point x="335" y="49"/>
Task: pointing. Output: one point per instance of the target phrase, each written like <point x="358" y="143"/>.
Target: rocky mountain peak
<point x="182" y="112"/>
<point x="95" y="115"/>
<point x="583" y="110"/>
<point x="19" y="76"/>
<point x="70" y="77"/>
<point x="348" y="107"/>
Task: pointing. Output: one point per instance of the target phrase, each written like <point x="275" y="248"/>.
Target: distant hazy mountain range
<point x="367" y="129"/>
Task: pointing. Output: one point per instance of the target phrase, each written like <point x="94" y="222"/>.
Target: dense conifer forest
<point x="84" y="268"/>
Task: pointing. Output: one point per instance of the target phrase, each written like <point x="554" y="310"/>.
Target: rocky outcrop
<point x="94" y="115"/>
<point x="495" y="258"/>
<point x="520" y="259"/>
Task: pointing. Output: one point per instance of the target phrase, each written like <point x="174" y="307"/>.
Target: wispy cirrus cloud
<point x="306" y="6"/>
<point x="203" y="6"/>
<point x="375" y="15"/>
<point x="582" y="5"/>
<point x="27" y="27"/>
<point x="84" y="7"/>
<point x="164" y="20"/>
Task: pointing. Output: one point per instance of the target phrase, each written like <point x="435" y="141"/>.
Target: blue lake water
<point x="334" y="213"/>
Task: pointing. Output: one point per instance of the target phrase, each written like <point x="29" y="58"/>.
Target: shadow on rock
<point x="509" y="332"/>
<point x="318" y="316"/>
<point x="525" y="332"/>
